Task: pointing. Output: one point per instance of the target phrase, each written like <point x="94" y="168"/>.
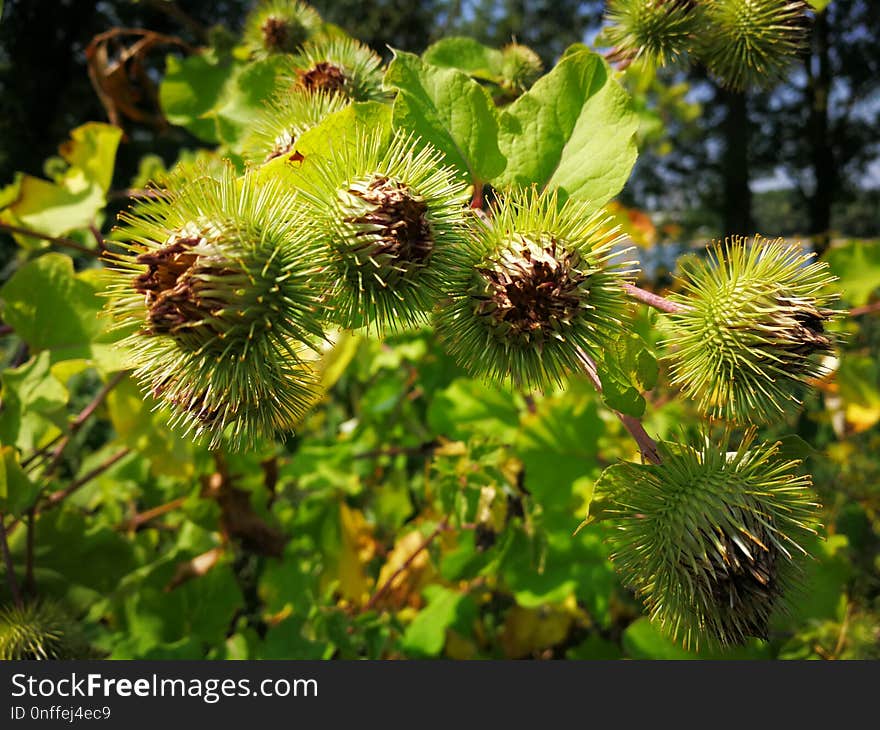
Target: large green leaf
<point x="342" y="127"/>
<point x="217" y="99"/>
<point x="468" y="55"/>
<point x="857" y="264"/>
<point x="451" y="111"/>
<point x="51" y="307"/>
<point x="573" y="130"/>
<point x="468" y="407"/>
<point x="559" y="444"/>
<point x="33" y="403"/>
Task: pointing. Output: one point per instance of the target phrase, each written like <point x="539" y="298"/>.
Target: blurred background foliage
<point x="416" y="512"/>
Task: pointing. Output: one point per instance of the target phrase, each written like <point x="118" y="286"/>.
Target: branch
<point x="139" y="520"/>
<point x="865" y="309"/>
<point x="386" y="586"/>
<point x="654" y="300"/>
<point x="62" y="494"/>
<point x="10" y="568"/>
<point x="57" y="240"/>
<point x="647" y="445"/>
<point x="83" y="416"/>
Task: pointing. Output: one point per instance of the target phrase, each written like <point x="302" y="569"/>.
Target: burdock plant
<point x="280" y="26"/>
<point x="388" y="216"/>
<point x="41" y="629"/>
<point x="751" y="328"/>
<point x="751" y="42"/>
<point x="537" y="289"/>
<point x="659" y="30"/>
<point x="709" y="538"/>
<point x="221" y="305"/>
<point x="336" y="66"/>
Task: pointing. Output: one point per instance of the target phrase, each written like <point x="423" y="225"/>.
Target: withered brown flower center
<point x="173" y="287"/>
<point x="275" y="33"/>
<point x="801" y="328"/>
<point x="395" y="228"/>
<point x="323" y="76"/>
<point x="533" y="289"/>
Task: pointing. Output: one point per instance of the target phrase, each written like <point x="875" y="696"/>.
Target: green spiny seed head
<point x="520" y="67"/>
<point x="536" y="291"/>
<point x="389" y="218"/>
<point x="220" y="298"/>
<point x="751" y="327"/>
<point x="751" y="42"/>
<point x="338" y="65"/>
<point x="710" y="538"/>
<point x="280" y="26"/>
<point x="658" y="30"/>
<point x="286" y="117"/>
<point x="40" y="630"/>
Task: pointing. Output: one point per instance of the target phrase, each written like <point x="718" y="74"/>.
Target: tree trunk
<point x="737" y="202"/>
<point x="821" y="152"/>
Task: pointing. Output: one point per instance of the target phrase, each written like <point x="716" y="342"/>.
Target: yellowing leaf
<point x="356" y="549"/>
<point x="407" y="584"/>
<point x="74" y="199"/>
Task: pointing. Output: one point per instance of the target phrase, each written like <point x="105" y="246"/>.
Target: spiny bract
<point x="520" y="67"/>
<point x="536" y="291"/>
<point x="708" y="537"/>
<point x="222" y="300"/>
<point x="40" y="630"/>
<point x="336" y="66"/>
<point x="752" y="322"/>
<point x="659" y="30"/>
<point x="389" y="217"/>
<point x="751" y="42"/>
<point x="280" y="26"/>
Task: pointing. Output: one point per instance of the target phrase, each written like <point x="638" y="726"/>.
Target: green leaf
<point x="144" y="428"/>
<point x="469" y="407"/>
<point x="17" y="492"/>
<point x="558" y="445"/>
<point x="426" y="635"/>
<point x="468" y="55"/>
<point x="189" y="92"/>
<point x="573" y="130"/>
<point x="857" y="265"/>
<point x="451" y="111"/>
<point x="216" y="100"/>
<point x="628" y="368"/>
<point x="33" y="403"/>
<point x="342" y="128"/>
<point x="74" y="199"/>
<point x="53" y="308"/>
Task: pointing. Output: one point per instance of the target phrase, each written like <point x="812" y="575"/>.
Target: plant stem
<point x="142" y="518"/>
<point x="10" y="568"/>
<point x="83" y="416"/>
<point x="647" y="445"/>
<point x="57" y="240"/>
<point x="62" y="494"/>
<point x="30" y="585"/>
<point x="386" y="586"/>
<point x="654" y="300"/>
<point x="865" y="309"/>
